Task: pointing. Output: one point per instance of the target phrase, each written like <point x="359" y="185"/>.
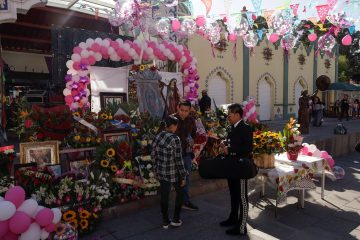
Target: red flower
<point x="296" y="170"/>
<point x="28" y="123"/>
<point x="39" y="136"/>
<point x="281" y="188"/>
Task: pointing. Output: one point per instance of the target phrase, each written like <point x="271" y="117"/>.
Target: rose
<point x="28" y="123"/>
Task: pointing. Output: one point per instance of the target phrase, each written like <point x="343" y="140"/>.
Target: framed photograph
<point x="56" y="168"/>
<point x="114" y="135"/>
<point x="80" y="168"/>
<point x="111" y="98"/>
<point x="42" y="153"/>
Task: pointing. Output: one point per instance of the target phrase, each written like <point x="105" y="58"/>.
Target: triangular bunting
<point x="322" y="11"/>
<point x="294" y="8"/>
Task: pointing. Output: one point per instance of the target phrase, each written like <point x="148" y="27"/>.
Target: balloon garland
<point x="93" y="50"/>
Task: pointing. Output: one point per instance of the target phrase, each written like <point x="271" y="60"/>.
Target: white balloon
<point x="91" y="53"/>
<point x="76" y="57"/>
<point x="99" y="41"/>
<point x="68" y="84"/>
<point x="126" y="47"/>
<point x="33" y="233"/>
<point x="186" y="89"/>
<point x="98" y="56"/>
<point x="89" y="42"/>
<point x="7" y="210"/>
<point x="149" y="51"/>
<point x="132" y="52"/>
<point x="71" y="71"/>
<point x="76" y="78"/>
<point x="87" y="92"/>
<point x="82" y="45"/>
<point x="120" y="41"/>
<point x="85" y="53"/>
<point x="57" y="215"/>
<point x="186" y="72"/>
<point x="74" y="105"/>
<point x="69" y="63"/>
<point x="113" y="57"/>
<point x="317" y="153"/>
<point x="44" y="234"/>
<point x="312" y="148"/>
<point x="111" y="50"/>
<point x="106" y="43"/>
<point x="29" y="206"/>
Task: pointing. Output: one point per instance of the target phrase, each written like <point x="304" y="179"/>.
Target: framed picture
<point x="80" y="168"/>
<point x="111" y="98"/>
<point x="42" y="153"/>
<point x="56" y="168"/>
<point x="114" y="135"/>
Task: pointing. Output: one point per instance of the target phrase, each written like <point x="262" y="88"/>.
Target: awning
<point x="344" y="86"/>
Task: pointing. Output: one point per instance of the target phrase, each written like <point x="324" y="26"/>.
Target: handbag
<point x="228" y="167"/>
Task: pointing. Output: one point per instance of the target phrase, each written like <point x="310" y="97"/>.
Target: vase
<point x="292" y="155"/>
<point x="264" y="160"/>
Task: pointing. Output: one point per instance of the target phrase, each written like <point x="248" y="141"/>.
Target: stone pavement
<point x="335" y="217"/>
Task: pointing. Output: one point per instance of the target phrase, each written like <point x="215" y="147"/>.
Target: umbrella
<point x="343" y="86"/>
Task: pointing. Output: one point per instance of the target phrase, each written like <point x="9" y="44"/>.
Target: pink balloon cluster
<point x="249" y="108"/>
<point x="88" y="53"/>
<point x="312" y="150"/>
<point x="25" y="219"/>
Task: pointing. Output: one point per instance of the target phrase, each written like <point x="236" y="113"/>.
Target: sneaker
<point x="176" y="223"/>
<point x="190" y="206"/>
<point x="166" y="224"/>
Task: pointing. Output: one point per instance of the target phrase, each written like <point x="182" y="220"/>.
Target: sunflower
<point x="84" y="214"/>
<point x="76" y="114"/>
<point x="104" y="116"/>
<point x="88" y="139"/>
<point x="98" y="140"/>
<point x="84" y="224"/>
<point x="110" y="152"/>
<point x="69" y="215"/>
<point x="76" y="137"/>
<point x="74" y="223"/>
<point x="114" y="168"/>
<point x="110" y="117"/>
<point x="104" y="163"/>
<point x="60" y="229"/>
<point x="263" y="140"/>
<point x="142" y="67"/>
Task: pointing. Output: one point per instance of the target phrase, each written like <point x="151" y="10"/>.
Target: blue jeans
<point x="187" y="158"/>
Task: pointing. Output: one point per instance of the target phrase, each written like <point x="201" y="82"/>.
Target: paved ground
<point x="336" y="217"/>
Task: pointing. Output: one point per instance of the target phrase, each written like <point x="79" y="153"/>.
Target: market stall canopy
<point x="344" y="86"/>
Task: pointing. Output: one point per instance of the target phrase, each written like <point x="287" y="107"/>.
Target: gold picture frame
<point x="42" y="153"/>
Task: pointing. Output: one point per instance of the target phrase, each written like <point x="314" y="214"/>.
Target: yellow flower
<point x="98" y="140"/>
<point x="104" y="163"/>
<point x="84" y="214"/>
<point x="77" y="138"/>
<point x="84" y="224"/>
<point x="76" y="114"/>
<point x="142" y="67"/>
<point x="74" y="223"/>
<point x="69" y="215"/>
<point x="110" y="117"/>
<point x="104" y="116"/>
<point x="88" y="139"/>
<point x="110" y="152"/>
<point x="95" y="215"/>
<point x="114" y="168"/>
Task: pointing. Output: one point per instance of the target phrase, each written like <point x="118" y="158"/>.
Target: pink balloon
<point x="324" y="154"/>
<point x="232" y="37"/>
<point x="305" y="150"/>
<point x="77" y="50"/>
<point x="44" y="217"/>
<point x="85" y="61"/>
<point x="92" y="60"/>
<point x="4" y="228"/>
<point x="331" y="162"/>
<point x="69" y="99"/>
<point x="312" y="37"/>
<point x="76" y="66"/>
<point x="274" y="38"/>
<point x="346" y="41"/>
<point x="10" y="236"/>
<point x="16" y="195"/>
<point x="175" y="25"/>
<point x="95" y="47"/>
<point x="50" y="228"/>
<point x="200" y="21"/>
<point x="19" y="223"/>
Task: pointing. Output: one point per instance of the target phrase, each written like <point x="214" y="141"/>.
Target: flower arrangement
<point x="5" y="183"/>
<point x="290" y="137"/>
<point x="34" y="178"/>
<point x="215" y="125"/>
<point x="83" y="218"/>
<point x="7" y="156"/>
<point x="267" y="142"/>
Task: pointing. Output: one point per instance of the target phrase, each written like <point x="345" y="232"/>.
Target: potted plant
<point x="265" y="145"/>
<point x="291" y="139"/>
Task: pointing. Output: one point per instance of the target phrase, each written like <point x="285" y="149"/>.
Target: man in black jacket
<point x="238" y="145"/>
<point x="205" y="102"/>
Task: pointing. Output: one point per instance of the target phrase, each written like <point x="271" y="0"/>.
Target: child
<point x="169" y="168"/>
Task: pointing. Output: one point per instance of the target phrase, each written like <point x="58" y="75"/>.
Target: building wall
<point x="25" y="62"/>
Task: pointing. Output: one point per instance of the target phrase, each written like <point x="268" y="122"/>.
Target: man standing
<point x="344" y="106"/>
<point x="186" y="130"/>
<point x="205" y="102"/>
<point x="239" y="145"/>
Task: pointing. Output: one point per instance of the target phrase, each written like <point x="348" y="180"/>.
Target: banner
<point x="250" y="19"/>
<point x="295" y="8"/>
<point x="267" y="15"/>
<point x="332" y="3"/>
<point x="322" y="11"/>
<point x="256" y="4"/>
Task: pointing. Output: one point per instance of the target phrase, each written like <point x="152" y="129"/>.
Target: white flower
<point x="144" y="143"/>
<point x="151" y="174"/>
<point x="149" y="166"/>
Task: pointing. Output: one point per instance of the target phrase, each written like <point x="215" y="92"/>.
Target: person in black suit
<point x="238" y="145"/>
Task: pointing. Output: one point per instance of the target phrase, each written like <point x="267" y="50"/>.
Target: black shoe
<point x="190" y="206"/>
<point x="229" y="222"/>
<point x="236" y="231"/>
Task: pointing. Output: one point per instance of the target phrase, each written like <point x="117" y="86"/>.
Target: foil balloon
<point x="188" y="26"/>
<point x="250" y="40"/>
<point x="281" y="23"/>
<point x="288" y="42"/>
<point x="163" y="27"/>
<point x="239" y="26"/>
<point x="214" y="34"/>
<point x="326" y="43"/>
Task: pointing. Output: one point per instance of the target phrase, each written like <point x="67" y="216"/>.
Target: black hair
<point x="236" y="108"/>
<point x="168" y="121"/>
<point x="185" y="103"/>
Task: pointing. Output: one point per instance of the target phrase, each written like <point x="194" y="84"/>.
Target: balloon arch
<point x="93" y="50"/>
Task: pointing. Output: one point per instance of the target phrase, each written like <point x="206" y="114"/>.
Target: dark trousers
<point x="239" y="199"/>
<point x="344" y="112"/>
<point x="165" y="188"/>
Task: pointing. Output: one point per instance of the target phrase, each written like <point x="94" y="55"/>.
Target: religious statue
<point x="304" y="111"/>
<point x="172" y="96"/>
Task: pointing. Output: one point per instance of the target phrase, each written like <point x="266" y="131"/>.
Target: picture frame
<point x="56" y="168"/>
<point x="113" y="135"/>
<point x="43" y="153"/>
<point x="80" y="168"/>
<point x="111" y="97"/>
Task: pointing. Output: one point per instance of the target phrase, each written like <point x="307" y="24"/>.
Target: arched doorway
<point x="217" y="91"/>
<point x="265" y="99"/>
<point x="299" y="86"/>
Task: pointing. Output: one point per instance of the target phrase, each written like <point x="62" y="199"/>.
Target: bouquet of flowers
<point x="7" y="156"/>
<point x="267" y="142"/>
<point x="291" y="139"/>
